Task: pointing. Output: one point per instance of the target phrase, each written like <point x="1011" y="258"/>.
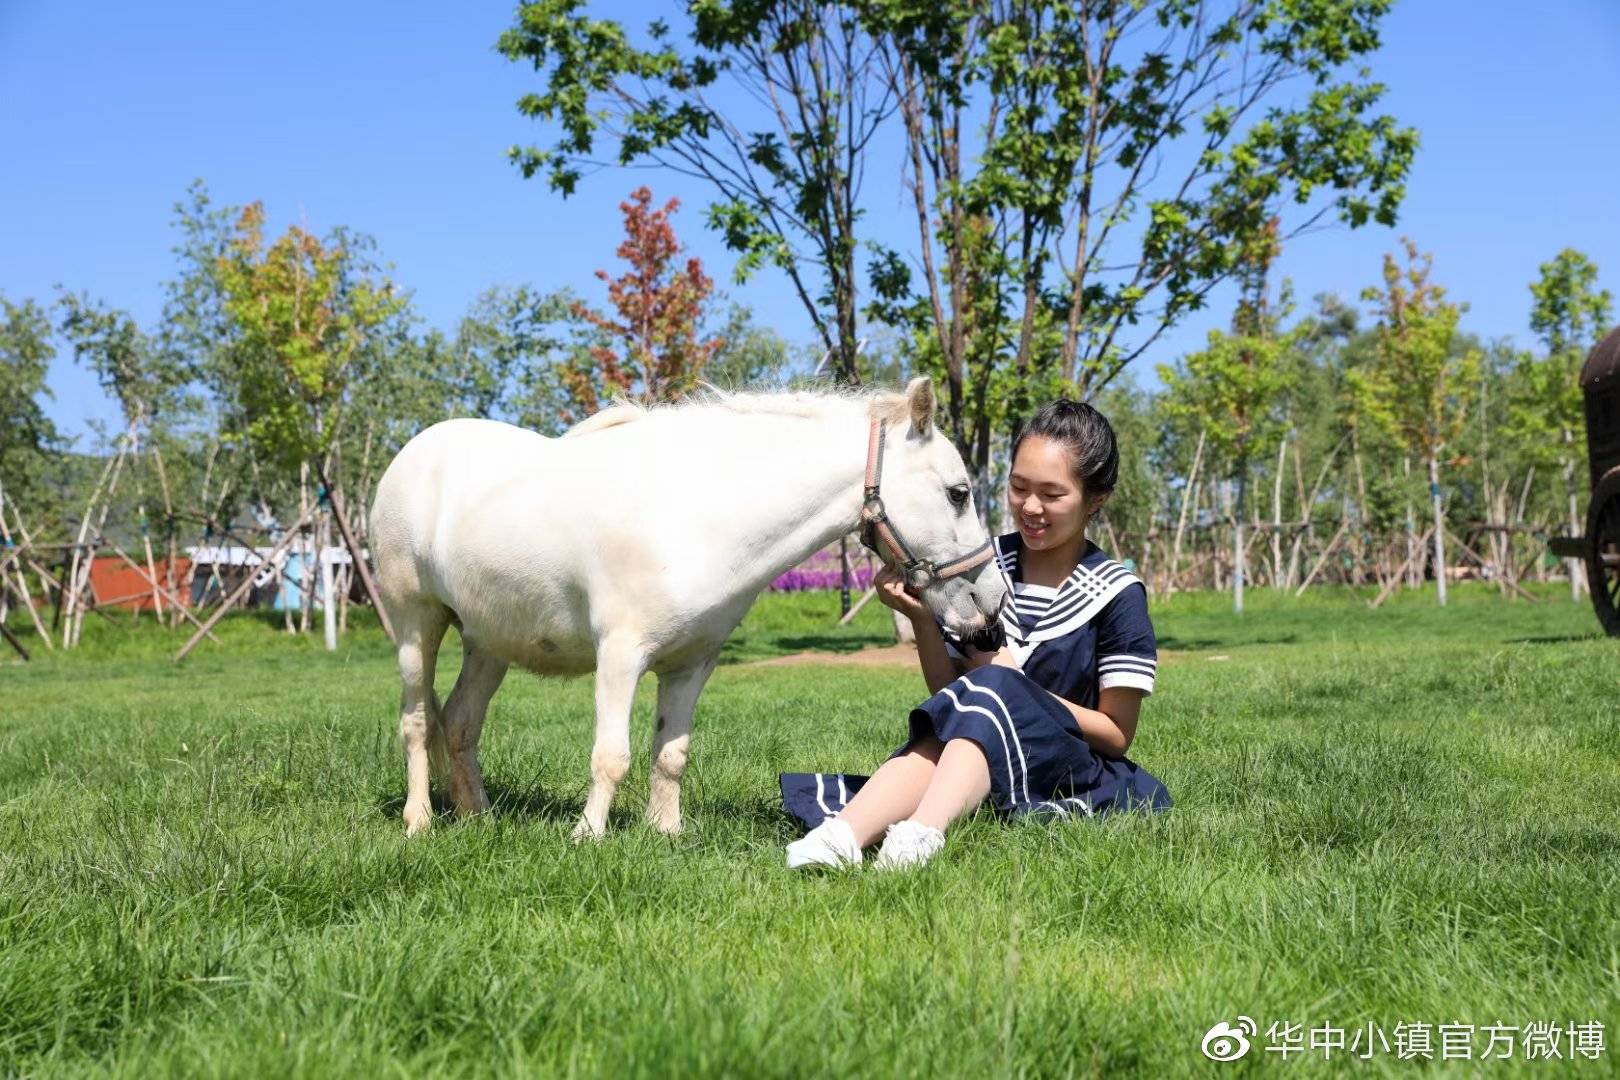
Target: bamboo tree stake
<point x="11" y="639"/>
<point x="244" y="587"/>
<point x="70" y="599"/>
<point x="46" y="580"/>
<point x="15" y="557"/>
<point x="1190" y="492"/>
<point x="1388" y="587"/>
<point x="152" y="581"/>
<point x="1480" y="562"/>
<point x="80" y="581"/>
<point x="357" y="555"/>
<point x="1345" y="524"/>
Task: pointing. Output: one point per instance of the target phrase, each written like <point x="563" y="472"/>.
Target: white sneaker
<point x="832" y="843"/>
<point x="909" y="843"/>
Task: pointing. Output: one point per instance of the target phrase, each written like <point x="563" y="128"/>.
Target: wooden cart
<point x="1599" y="549"/>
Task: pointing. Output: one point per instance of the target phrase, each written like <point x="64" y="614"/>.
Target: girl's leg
<point x="959" y="783"/>
<point x="893" y="792"/>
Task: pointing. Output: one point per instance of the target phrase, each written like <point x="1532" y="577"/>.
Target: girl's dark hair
<point x="1088" y="437"/>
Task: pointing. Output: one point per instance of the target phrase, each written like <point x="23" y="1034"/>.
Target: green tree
<point x="1233" y="391"/>
<point x="1418" y="384"/>
<point x="30" y="446"/>
<point x="1569" y="314"/>
<point x="650" y="347"/>
<point x="750" y="355"/>
<point x="302" y="313"/>
<point x="786" y="179"/>
<point x="1077" y="189"/>
<point x="1125" y="179"/>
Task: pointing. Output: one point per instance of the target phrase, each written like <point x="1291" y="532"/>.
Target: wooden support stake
<point x="1388" y="588"/>
<point x="11" y="639"/>
<point x="246" y="586"/>
<point x="156" y="588"/>
<point x="356" y="554"/>
<point x="1310" y="577"/>
<point x="855" y="609"/>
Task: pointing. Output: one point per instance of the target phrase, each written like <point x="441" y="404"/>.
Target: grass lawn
<point x="1407" y="814"/>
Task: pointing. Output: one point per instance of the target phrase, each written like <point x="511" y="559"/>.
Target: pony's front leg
<point x="677" y="696"/>
<point x="618" y="667"/>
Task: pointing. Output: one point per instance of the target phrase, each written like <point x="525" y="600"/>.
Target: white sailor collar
<point x="1095" y="580"/>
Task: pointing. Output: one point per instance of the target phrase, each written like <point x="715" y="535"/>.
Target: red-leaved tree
<point x="653" y="350"/>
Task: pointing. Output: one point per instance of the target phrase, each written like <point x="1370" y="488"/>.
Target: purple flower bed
<point x="799" y="579"/>
<point x="820" y="571"/>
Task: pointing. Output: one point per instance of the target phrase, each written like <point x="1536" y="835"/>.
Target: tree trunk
<point x="328" y="604"/>
<point x="1276" y="515"/>
<point x="1439" y="529"/>
<point x="1577" y="576"/>
<point x="1238" y="553"/>
<point x="306" y="590"/>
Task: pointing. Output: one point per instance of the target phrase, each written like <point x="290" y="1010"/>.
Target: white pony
<point x="636" y="543"/>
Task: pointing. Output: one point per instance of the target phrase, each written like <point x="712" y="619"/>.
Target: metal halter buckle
<point x="876" y="528"/>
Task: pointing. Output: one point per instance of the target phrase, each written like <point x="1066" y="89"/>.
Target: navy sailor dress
<point x="1074" y="641"/>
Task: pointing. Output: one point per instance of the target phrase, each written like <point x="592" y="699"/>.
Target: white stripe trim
<point x="1150" y="661"/>
<point x="1006" y="751"/>
<point x="843" y="792"/>
<point x="1048" y="630"/>
<point x="1083" y="805"/>
<point x="1146" y="673"/>
<point x="1013" y="728"/>
<point x="1133" y="679"/>
<point x="821" y="802"/>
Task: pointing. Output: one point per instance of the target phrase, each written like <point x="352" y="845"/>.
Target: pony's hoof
<point x="666" y="824"/>
<point x="470" y="804"/>
<point x="417" y="818"/>
<point x="586" y="831"/>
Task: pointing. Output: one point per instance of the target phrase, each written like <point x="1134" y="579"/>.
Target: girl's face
<point x="1046" y="502"/>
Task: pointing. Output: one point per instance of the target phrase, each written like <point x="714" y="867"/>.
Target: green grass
<point x="1408" y="814"/>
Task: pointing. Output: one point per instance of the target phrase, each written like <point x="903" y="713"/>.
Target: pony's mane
<point x="810" y="404"/>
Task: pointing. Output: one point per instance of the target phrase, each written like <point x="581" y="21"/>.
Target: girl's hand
<point x="891" y="590"/>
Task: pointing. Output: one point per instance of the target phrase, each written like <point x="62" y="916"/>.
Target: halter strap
<point x="876" y="527"/>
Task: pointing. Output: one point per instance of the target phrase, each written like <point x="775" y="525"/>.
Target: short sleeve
<point x="1127" y="654"/>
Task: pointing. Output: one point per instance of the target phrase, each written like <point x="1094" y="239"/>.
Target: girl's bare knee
<point x="928" y="747"/>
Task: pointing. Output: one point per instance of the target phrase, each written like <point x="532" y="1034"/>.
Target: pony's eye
<point x="959" y="495"/>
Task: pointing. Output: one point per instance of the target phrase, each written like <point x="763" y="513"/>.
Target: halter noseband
<point x="876" y="526"/>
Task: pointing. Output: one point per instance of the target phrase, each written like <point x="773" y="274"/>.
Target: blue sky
<point x="394" y="119"/>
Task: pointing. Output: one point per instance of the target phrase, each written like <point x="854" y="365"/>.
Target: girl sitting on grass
<point x="1037" y="723"/>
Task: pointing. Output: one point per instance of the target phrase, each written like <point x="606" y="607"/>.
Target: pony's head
<point x="928" y="496"/>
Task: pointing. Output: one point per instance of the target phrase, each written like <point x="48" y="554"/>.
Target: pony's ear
<point x="920" y="403"/>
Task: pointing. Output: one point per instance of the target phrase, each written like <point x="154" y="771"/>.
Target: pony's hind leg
<point x="677" y="696"/>
<point x="420" y="628"/>
<point x="480" y="677"/>
<point x="618" y="667"/>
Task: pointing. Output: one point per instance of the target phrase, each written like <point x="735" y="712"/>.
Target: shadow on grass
<point x="830" y="643"/>
<point x="524" y="802"/>
<point x="1195" y="644"/>
<point x="1560" y="639"/>
<point x="534" y="803"/>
